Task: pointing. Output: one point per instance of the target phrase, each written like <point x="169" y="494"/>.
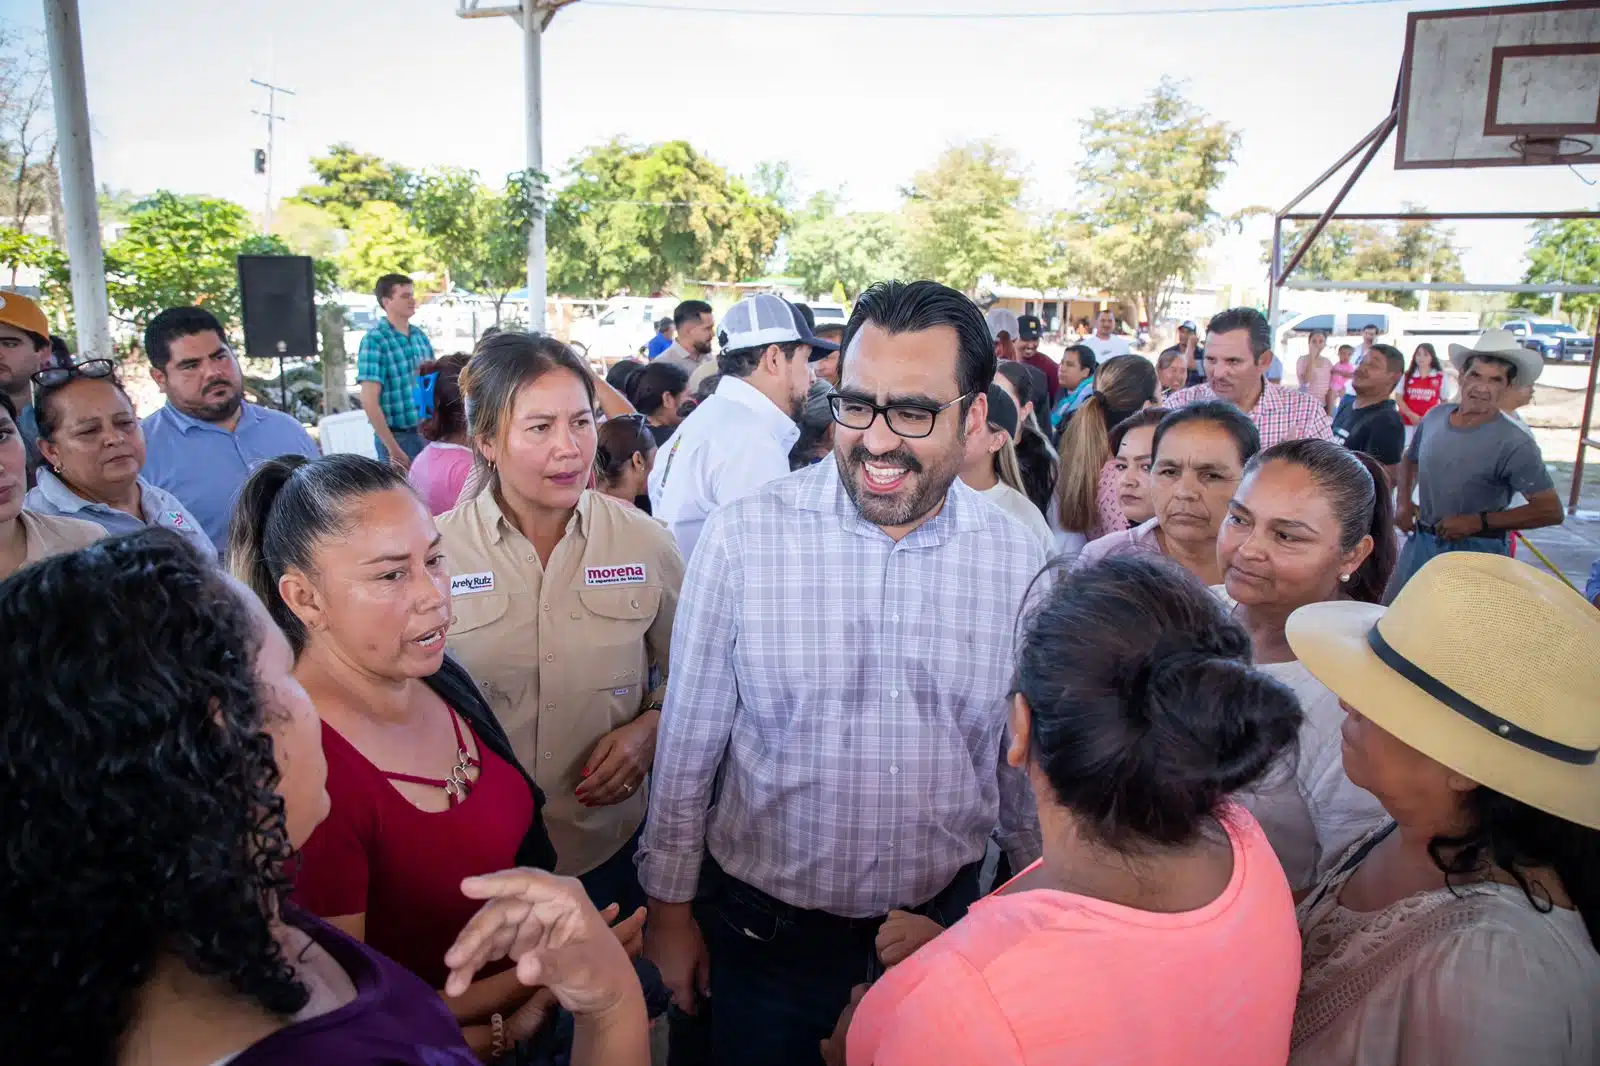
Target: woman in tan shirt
<point x="564" y="600"/>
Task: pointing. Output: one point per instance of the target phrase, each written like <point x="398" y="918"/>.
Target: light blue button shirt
<point x="205" y="465"/>
<point x="51" y="496"/>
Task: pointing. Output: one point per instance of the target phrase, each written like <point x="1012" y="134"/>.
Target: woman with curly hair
<point x="162" y="765"/>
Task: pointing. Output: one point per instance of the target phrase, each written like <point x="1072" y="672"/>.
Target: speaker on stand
<point x="278" y="298"/>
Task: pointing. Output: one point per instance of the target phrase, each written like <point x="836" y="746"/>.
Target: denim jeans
<point x="617" y="880"/>
<point x="410" y="440"/>
<point x="1421" y="547"/>
<point x="780" y="975"/>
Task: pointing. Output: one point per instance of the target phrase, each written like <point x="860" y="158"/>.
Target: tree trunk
<point x="331" y="325"/>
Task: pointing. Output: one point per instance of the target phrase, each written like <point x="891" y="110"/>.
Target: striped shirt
<point x="846" y="696"/>
<point x="1280" y="414"/>
<point x="391" y="358"/>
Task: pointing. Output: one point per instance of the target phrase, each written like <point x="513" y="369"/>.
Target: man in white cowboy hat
<point x="1468" y="460"/>
<point x="1464" y="931"/>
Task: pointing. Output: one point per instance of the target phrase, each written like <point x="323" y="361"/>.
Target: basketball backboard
<point x="1501" y="86"/>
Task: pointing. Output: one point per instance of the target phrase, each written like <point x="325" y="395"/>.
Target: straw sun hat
<point x="1483" y="664"/>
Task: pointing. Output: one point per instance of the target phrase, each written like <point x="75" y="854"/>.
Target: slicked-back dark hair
<point x="140" y="795"/>
<point x="899" y="307"/>
<point x="1246" y="318"/>
<point x="175" y="323"/>
<point x="690" y="311"/>
<point x="1146" y="714"/>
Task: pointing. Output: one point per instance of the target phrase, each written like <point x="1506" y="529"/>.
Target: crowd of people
<point x="873" y="695"/>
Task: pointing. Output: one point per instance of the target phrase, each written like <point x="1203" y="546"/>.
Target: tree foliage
<point x="1564" y="252"/>
<point x="638" y="218"/>
<point x="1146" y="184"/>
<point x="30" y="185"/>
<point x="181" y="250"/>
<point x="848" y="252"/>
<point x="1365" y="251"/>
<point x="382" y="241"/>
<point x="347" y="180"/>
<point x="964" y="218"/>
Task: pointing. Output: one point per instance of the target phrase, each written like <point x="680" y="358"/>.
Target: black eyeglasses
<point x="909" y="420"/>
<point x="55" y="376"/>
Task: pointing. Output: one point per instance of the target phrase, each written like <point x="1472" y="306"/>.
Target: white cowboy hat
<point x="1501" y="344"/>
<point x="1483" y="664"/>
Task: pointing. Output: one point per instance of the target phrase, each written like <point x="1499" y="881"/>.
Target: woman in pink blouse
<point x="1158" y="927"/>
<point x="440" y="470"/>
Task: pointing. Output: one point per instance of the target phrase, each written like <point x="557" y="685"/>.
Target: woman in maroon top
<point x="1423" y="386"/>
<point x="162" y="766"/>
<point x="424" y="789"/>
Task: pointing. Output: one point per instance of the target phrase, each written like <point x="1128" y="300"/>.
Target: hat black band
<point x="1471" y="711"/>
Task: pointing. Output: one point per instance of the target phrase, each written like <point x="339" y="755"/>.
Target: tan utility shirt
<point x="563" y="652"/>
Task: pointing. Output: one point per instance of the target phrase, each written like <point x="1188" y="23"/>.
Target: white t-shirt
<point x="1105" y="349"/>
<point x="730" y="446"/>
<point x="1022" y="509"/>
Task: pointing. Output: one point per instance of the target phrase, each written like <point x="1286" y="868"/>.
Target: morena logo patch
<point x="625" y="574"/>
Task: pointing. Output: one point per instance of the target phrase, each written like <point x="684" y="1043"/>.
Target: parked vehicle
<point x="829" y="314"/>
<point x="1552" y="339"/>
<point x="625" y="326"/>
<point x="1403" y="329"/>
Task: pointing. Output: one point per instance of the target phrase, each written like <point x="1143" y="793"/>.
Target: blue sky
<point x="851" y="102"/>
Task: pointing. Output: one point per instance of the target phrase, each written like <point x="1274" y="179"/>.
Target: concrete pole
<point x="532" y="31"/>
<point x="85" y="257"/>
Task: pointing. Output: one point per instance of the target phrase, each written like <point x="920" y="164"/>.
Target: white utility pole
<point x="532" y="33"/>
<point x="534" y="16"/>
<point x="273" y="118"/>
<point x="85" y="258"/>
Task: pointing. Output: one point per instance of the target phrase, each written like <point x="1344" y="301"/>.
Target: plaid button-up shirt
<point x="1280" y="414"/>
<point x="847" y="696"/>
<point x="391" y="358"/>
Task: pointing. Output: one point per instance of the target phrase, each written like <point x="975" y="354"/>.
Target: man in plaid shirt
<point x="1238" y="354"/>
<point x="387" y="366"/>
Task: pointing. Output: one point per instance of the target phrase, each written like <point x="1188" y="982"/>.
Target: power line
<point x="983" y="16"/>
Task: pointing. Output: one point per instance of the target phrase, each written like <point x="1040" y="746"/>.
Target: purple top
<point x="1141" y="538"/>
<point x="395" y="1019"/>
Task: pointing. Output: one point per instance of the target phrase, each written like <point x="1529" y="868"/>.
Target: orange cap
<point x="19" y="311"/>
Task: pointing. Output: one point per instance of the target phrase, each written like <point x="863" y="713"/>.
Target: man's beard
<point x="923" y="491"/>
<point x="218" y="410"/>
<point x="702" y="347"/>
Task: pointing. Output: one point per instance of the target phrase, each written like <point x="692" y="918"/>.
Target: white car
<point x="829" y="314"/>
<point x="625" y="326"/>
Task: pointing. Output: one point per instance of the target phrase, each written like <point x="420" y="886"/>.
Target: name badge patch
<point x="465" y="583"/>
<point x="624" y="574"/>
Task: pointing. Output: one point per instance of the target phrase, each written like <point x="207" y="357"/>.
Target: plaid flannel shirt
<point x="391" y="358"/>
<point x="1280" y="414"/>
<point x="848" y="697"/>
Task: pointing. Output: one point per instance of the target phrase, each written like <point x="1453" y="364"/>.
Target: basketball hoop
<point x="1537" y="151"/>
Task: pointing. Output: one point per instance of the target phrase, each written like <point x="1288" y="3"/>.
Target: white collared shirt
<point x="730" y="446"/>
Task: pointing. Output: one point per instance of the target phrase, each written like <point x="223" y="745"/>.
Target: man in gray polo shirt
<point x="1468" y="460"/>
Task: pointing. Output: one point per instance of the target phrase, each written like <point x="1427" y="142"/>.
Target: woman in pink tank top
<point x="1157" y="928"/>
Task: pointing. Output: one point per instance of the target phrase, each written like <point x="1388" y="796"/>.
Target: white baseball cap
<point x="763" y="319"/>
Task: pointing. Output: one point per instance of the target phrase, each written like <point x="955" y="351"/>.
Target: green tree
<point x="1566" y="252"/>
<point x="382" y="241"/>
<point x="1364" y="251"/>
<point x="308" y="230"/>
<point x="847" y="252"/>
<point x="1146" y="184"/>
<point x="457" y="213"/>
<point x="964" y="219"/>
<point x="180" y="250"/>
<point x="348" y="179"/>
<point x="638" y="218"/>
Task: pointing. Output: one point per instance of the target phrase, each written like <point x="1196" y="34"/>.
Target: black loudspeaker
<point x="278" y="297"/>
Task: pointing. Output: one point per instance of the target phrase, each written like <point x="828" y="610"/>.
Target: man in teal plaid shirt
<point x="387" y="366"/>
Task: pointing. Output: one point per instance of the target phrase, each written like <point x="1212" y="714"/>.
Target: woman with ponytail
<point x="1311" y="522"/>
<point x="1136" y="716"/>
<point x="1086" y="506"/>
<point x="425" y="787"/>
